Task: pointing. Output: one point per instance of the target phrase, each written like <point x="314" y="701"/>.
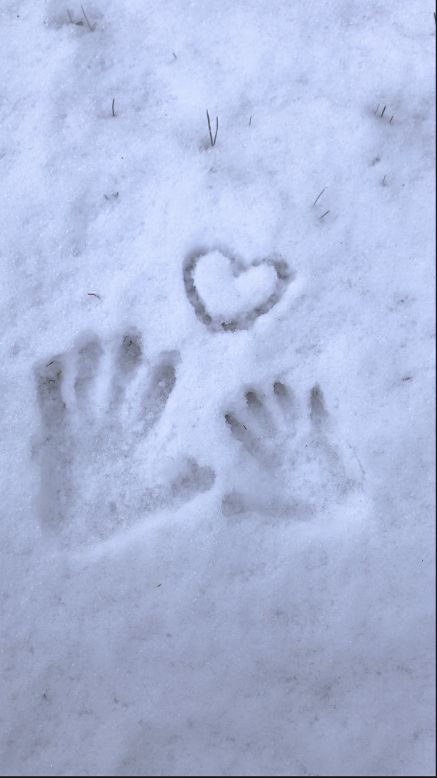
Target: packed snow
<point x="217" y="387"/>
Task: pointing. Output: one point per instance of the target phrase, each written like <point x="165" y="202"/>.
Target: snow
<point x="217" y="452"/>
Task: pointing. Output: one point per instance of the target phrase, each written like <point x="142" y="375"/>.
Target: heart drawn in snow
<point x="228" y="295"/>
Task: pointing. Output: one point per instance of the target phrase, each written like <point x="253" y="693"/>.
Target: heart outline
<point x="243" y="322"/>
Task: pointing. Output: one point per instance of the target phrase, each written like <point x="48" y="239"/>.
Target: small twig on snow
<point x="71" y="20"/>
<point x="319" y="196"/>
<point x="212" y="138"/>
<point x="91" y="27"/>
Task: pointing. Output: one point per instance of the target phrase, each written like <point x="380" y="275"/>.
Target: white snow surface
<point x="217" y="375"/>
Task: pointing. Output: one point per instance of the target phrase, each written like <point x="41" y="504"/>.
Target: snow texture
<point x="217" y="448"/>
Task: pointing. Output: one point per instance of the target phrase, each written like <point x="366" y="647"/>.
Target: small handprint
<point x="297" y="465"/>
